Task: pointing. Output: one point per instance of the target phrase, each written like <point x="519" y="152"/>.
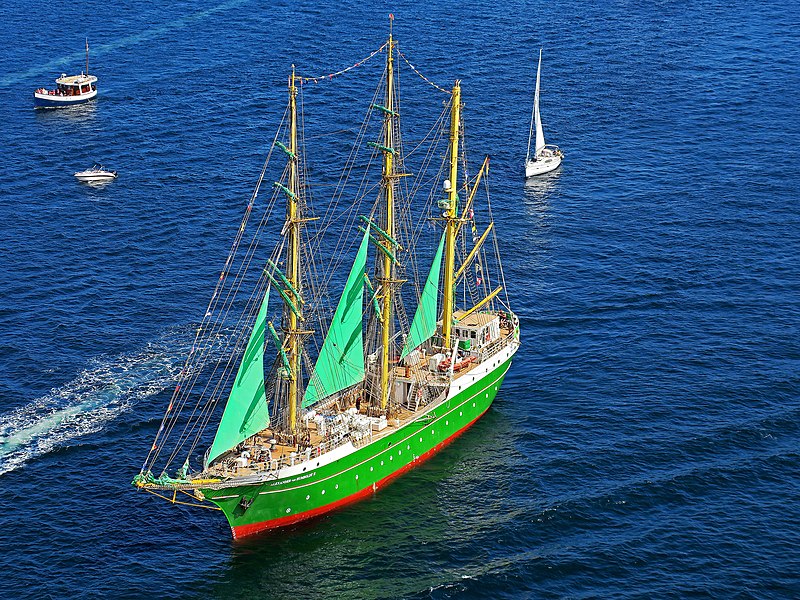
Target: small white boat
<point x="545" y="158"/>
<point x="96" y="173"/>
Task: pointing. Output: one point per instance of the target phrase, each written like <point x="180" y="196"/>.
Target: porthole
<point x="304" y="469"/>
<point x="308" y="497"/>
<point x="399" y="452"/>
<point x="288" y="510"/>
<point x="460" y="414"/>
<point x="447" y="422"/>
<point x="473" y="405"/>
<point x="408" y="446"/>
<point x="391" y="458"/>
<point x="431" y="431"/>
<point x="356" y="477"/>
<point x="336" y="487"/>
<point x="420" y="439"/>
<point x="487" y="394"/>
<point x="323" y="492"/>
<point x="381" y="463"/>
<point x="372" y="468"/>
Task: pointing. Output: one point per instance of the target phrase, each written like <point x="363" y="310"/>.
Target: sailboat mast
<point x="87" y="57"/>
<point x="451" y="220"/>
<point x="388" y="224"/>
<point x="293" y="257"/>
<point x="537" y="116"/>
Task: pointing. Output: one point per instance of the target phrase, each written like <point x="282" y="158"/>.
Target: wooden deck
<point x="267" y="456"/>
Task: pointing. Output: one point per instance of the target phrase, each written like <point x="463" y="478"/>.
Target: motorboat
<point x="96" y="173"/>
<point x="546" y="157"/>
<point x="69" y="91"/>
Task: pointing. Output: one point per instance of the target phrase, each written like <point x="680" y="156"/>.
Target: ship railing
<point x="495" y="347"/>
<point x="270" y="469"/>
<point x="358" y="437"/>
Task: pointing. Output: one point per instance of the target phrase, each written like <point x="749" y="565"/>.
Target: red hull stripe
<point x="241" y="531"/>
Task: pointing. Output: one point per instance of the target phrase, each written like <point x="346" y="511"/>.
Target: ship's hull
<point x="540" y="166"/>
<point x="49" y="101"/>
<point x="355" y="475"/>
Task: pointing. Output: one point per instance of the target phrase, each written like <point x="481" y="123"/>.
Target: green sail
<point x="246" y="412"/>
<point x="424" y="324"/>
<point x="341" y="360"/>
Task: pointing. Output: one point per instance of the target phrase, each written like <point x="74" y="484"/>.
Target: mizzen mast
<point x="451" y="221"/>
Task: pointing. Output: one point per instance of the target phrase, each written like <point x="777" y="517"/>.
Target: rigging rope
<point x="210" y="328"/>
<point x="413" y="68"/>
<point x="343" y="71"/>
<point x="338" y="216"/>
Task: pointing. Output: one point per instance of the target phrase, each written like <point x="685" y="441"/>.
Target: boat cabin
<point x="75" y="85"/>
<point x="476" y="331"/>
<point x="72" y="85"/>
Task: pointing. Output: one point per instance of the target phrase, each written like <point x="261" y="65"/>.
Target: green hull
<point x="319" y="489"/>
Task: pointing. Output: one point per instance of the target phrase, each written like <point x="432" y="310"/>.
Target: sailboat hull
<point x="281" y="502"/>
<point x="542" y="165"/>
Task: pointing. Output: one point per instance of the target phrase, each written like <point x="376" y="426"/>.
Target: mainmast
<point x="87" y="57"/>
<point x="292" y="333"/>
<point x="451" y="220"/>
<point x="387" y="280"/>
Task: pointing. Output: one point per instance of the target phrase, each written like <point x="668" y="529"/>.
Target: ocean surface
<point x="645" y="443"/>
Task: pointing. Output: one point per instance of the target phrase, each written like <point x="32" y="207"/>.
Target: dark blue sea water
<point x="645" y="442"/>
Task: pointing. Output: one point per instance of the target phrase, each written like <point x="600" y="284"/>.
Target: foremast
<point x="293" y="315"/>
<point x="451" y="221"/>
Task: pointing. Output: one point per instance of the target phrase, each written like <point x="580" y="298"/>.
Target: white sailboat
<point x="545" y="158"/>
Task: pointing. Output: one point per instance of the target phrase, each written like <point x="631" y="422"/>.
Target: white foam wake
<point x="109" y="387"/>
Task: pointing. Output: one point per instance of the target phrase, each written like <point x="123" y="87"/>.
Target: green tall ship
<point x="351" y="395"/>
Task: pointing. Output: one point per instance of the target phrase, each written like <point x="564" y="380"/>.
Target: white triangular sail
<point x="536" y="116"/>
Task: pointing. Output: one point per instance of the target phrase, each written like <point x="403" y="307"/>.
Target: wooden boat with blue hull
<point x="70" y="90"/>
<point x="323" y="421"/>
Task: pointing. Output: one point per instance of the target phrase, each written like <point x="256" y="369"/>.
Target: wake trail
<point x="76" y="58"/>
<point x="108" y="388"/>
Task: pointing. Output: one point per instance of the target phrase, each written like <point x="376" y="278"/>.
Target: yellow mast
<point x="387" y="280"/>
<point x="451" y="220"/>
<point x="291" y="334"/>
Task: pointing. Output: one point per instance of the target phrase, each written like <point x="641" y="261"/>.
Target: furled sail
<point x="341" y="360"/>
<point x="246" y="412"/>
<point x="424" y="324"/>
<point x="537" y="116"/>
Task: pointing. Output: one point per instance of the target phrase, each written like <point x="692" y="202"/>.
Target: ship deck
<point x="266" y="455"/>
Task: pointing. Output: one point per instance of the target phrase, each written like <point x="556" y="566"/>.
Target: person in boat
<point x="243" y="459"/>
